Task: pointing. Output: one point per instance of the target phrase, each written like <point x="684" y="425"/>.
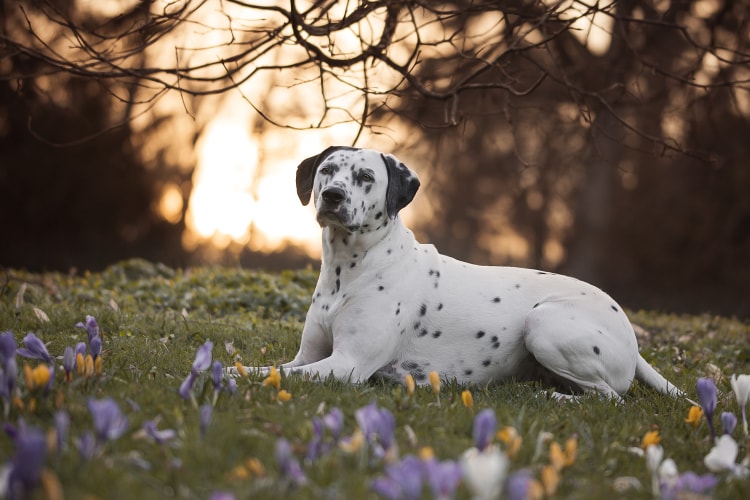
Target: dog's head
<point x="355" y="188"/>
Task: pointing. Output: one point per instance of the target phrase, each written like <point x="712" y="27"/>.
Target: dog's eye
<point x="365" y="177"/>
<point x="325" y="170"/>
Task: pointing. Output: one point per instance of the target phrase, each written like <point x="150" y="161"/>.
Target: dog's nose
<point x="333" y="195"/>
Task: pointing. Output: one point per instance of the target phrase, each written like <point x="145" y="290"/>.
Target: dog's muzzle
<point x="332" y="209"/>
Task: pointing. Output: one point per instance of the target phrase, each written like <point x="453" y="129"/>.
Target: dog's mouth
<point x="337" y="217"/>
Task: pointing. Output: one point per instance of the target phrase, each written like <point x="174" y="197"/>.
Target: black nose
<point x="333" y="195"/>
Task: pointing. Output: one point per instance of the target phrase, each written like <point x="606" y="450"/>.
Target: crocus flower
<point x="86" y="445"/>
<point x="707" y="398"/>
<point x="91" y="327"/>
<point x="204" y="418"/>
<point x="686" y="484"/>
<point x="378" y="426"/>
<point x="443" y="478"/>
<point x="62" y="427"/>
<point x="334" y="422"/>
<point x="410" y="384"/>
<point x="521" y="485"/>
<point x="217" y="374"/>
<point x="483" y="430"/>
<point x="158" y="436"/>
<point x="695" y="415"/>
<point x="728" y="422"/>
<point x="283" y="395"/>
<point x="511" y="439"/>
<point x="723" y="455"/>
<point x="273" y="379"/>
<point x="289" y="466"/>
<point x="96" y="347"/>
<point x="28" y="462"/>
<point x="484" y="472"/>
<point x="8" y="365"/>
<point x="467" y="399"/>
<point x="741" y="387"/>
<point x="203" y="357"/>
<point x="109" y="422"/>
<point x="435" y="382"/>
<point x="404" y="476"/>
<point x="34" y="349"/>
<point x="186" y="388"/>
<point x="69" y="363"/>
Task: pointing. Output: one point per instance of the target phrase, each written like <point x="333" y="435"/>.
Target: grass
<point x="153" y="320"/>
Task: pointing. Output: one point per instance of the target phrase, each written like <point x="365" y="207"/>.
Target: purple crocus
<point x="27" y="462"/>
<point x="728" y="422"/>
<point x="288" y="465"/>
<point x="204" y="418"/>
<point x="217" y="374"/>
<point x="34" y="348"/>
<point x="186" y="388"/>
<point x="483" y="430"/>
<point x="62" y="427"/>
<point x="81" y="349"/>
<point x="109" y="422"/>
<point x="518" y="484"/>
<point x="160" y="437"/>
<point x="86" y="445"/>
<point x="91" y="327"/>
<point x="402" y="480"/>
<point x="8" y="365"/>
<point x="95" y="345"/>
<point x="203" y="357"/>
<point x="334" y="422"/>
<point x="378" y="426"/>
<point x="316" y="447"/>
<point x="707" y="398"/>
<point x="69" y="362"/>
<point x="688" y="483"/>
<point x="443" y="478"/>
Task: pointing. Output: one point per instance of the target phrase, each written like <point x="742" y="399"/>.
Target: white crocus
<point x="723" y="455"/>
<point x="484" y="472"/>
<point x="654" y="455"/>
<point x="741" y="387"/>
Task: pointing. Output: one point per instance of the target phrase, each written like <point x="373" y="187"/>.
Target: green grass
<point x="153" y="320"/>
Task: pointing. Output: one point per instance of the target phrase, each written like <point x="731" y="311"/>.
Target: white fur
<point x="386" y="304"/>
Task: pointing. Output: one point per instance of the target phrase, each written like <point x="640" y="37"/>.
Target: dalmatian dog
<point x="387" y="305"/>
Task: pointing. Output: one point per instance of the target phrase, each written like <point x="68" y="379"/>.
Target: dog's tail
<point x="646" y="373"/>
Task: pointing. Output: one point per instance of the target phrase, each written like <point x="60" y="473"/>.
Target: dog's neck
<point x="345" y="252"/>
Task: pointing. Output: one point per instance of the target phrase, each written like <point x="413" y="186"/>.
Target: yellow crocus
<point x="79" y="364"/>
<point x="88" y="368"/>
<point x="571" y="451"/>
<point x="426" y="454"/>
<point x="435" y="382"/>
<point x="410" y="385"/>
<point x="467" y="399"/>
<point x="273" y="379"/>
<point x="241" y="369"/>
<point x="651" y="437"/>
<point x="511" y="439"/>
<point x="694" y="416"/>
<point x="550" y="479"/>
<point x="556" y="456"/>
<point x="283" y="395"/>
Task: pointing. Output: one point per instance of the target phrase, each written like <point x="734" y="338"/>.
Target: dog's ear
<point x="306" y="173"/>
<point x="402" y="185"/>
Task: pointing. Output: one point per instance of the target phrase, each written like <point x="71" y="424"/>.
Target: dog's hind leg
<point x="585" y="350"/>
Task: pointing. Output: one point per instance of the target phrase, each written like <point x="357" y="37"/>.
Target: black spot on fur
<point x="496" y="300"/>
<point x="423" y="309"/>
<point x="596" y="350"/>
<point x="480" y="334"/>
<point x="518" y="286"/>
<point x="352" y="265"/>
<point x="486" y="362"/>
<point x="536" y="305"/>
<point x="495" y="345"/>
<point x="494" y="338"/>
<point x="378" y="215"/>
<point x="437" y="334"/>
<point x="338" y="270"/>
<point x="422" y="332"/>
<point x="338" y="285"/>
<point x="614" y="308"/>
<point x="468" y="372"/>
<point x="440" y="306"/>
<point x="381" y="288"/>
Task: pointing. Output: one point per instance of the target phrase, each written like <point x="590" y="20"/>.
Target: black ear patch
<point x="307" y="169"/>
<point x="402" y="185"/>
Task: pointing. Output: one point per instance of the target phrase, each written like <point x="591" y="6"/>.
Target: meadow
<point x="127" y="404"/>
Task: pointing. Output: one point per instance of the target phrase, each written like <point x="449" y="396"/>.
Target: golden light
<point x="171" y="203"/>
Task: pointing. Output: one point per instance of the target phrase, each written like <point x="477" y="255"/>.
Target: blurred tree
<point x="603" y="138"/>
